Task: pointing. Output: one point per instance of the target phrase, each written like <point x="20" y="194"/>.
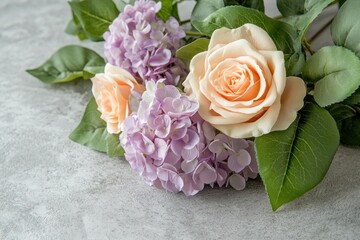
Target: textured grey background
<point x="52" y="188"/>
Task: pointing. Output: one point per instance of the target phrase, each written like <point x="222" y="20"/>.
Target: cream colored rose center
<point x="235" y="80"/>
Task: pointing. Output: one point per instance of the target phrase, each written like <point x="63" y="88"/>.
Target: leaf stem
<point x="307" y="46"/>
<point x="185" y="22"/>
<point x="194" y="34"/>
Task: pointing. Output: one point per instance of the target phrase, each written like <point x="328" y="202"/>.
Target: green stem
<point x="194" y="34"/>
<point x="307" y="46"/>
<point x="185" y="22"/>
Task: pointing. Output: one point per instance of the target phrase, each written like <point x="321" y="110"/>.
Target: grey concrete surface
<point x="52" y="188"/>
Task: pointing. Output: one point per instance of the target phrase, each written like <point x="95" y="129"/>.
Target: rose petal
<point x="252" y="33"/>
<point x="253" y="129"/>
<point x="291" y="102"/>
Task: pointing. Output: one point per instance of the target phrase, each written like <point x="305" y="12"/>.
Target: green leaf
<point x="350" y="131"/>
<point x="294" y="161"/>
<point x="284" y="35"/>
<point x="255" y="4"/>
<point x="175" y="12"/>
<point x="303" y="12"/>
<point x="345" y="29"/>
<point x="121" y="4"/>
<point x="348" y="121"/>
<point x="336" y="73"/>
<point x="113" y="147"/>
<point x="354" y="98"/>
<point x="294" y="62"/>
<point x="69" y="63"/>
<point x="204" y="8"/>
<point x="341" y="2"/>
<point x="92" y="133"/>
<point x="291" y="8"/>
<point x="166" y="9"/>
<point x="187" y="52"/>
<point x="94" y="16"/>
<point x="74" y="28"/>
<point x="341" y="112"/>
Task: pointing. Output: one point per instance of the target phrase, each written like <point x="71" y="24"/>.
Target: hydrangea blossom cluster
<point x="235" y="160"/>
<point x="141" y="43"/>
<point x="172" y="148"/>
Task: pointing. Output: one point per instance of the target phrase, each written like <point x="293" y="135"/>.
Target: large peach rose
<point x="241" y="84"/>
<point x="112" y="92"/>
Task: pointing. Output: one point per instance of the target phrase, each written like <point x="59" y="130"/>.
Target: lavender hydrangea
<point x="235" y="160"/>
<point x="144" y="45"/>
<point x="172" y="148"/>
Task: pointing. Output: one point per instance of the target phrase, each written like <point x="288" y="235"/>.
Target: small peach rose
<point x="112" y="91"/>
<point x="241" y="84"/>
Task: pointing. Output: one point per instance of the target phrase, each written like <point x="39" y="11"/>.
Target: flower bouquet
<point x="219" y="98"/>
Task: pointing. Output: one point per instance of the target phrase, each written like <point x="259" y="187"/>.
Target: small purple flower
<point x="236" y="157"/>
<point x="144" y="45"/>
<point x="177" y="150"/>
<point x="170" y="178"/>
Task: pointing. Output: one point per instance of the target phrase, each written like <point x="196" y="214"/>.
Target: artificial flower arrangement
<point x="217" y="99"/>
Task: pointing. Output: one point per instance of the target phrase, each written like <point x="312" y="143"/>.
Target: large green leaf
<point x="341" y="112"/>
<point x="74" y="28"/>
<point x="204" y="8"/>
<point x="187" y="52"/>
<point x="335" y="72"/>
<point x="255" y="4"/>
<point x="121" y="4"/>
<point x="284" y="35"/>
<point x="94" y="16"/>
<point x="69" y="63"/>
<point x="345" y="29"/>
<point x="301" y="13"/>
<point x="354" y="98"/>
<point x="175" y="11"/>
<point x="291" y="8"/>
<point x="348" y="121"/>
<point x="166" y="9"/>
<point x="92" y="132"/>
<point x="350" y="131"/>
<point x="341" y="2"/>
<point x="294" y="161"/>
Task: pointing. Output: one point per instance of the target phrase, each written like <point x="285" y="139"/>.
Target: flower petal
<point x="292" y="101"/>
<point x="237" y="181"/>
<point x="252" y="33"/>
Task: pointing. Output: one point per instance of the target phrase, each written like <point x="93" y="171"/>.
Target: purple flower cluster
<point x="172" y="148"/>
<point x="235" y="160"/>
<point x="141" y="43"/>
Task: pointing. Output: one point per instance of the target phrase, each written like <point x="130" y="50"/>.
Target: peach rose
<point x="112" y="92"/>
<point x="241" y="84"/>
